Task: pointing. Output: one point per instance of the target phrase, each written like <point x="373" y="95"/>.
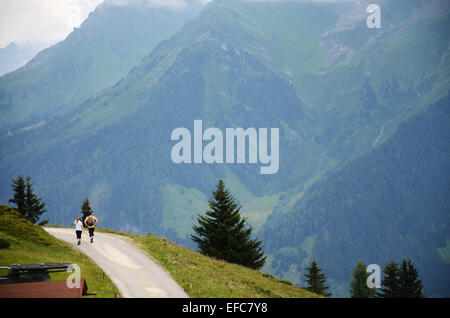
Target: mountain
<point x="391" y="203"/>
<point x="14" y="56"/>
<point x="94" y="56"/>
<point x="335" y="89"/>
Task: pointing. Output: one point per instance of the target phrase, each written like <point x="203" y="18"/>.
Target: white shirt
<point x="78" y="225"/>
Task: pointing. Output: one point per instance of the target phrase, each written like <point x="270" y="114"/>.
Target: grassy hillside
<point x="205" y="277"/>
<point x="30" y="244"/>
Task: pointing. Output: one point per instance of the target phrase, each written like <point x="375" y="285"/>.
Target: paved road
<point x="133" y="272"/>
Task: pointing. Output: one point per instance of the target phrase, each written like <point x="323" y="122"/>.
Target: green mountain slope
<point x="174" y="85"/>
<point x="390" y="204"/>
<point x="106" y="46"/>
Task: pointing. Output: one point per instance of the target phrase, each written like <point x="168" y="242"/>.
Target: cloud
<point x="323" y="1"/>
<point x="41" y="21"/>
<point x="154" y="3"/>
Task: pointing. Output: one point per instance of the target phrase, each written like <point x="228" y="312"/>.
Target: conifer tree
<point x="222" y="233"/>
<point x="401" y="281"/>
<point x="85" y="210"/>
<point x="27" y="203"/>
<point x="410" y="285"/>
<point x="358" y="286"/>
<point x="18" y="187"/>
<point x="34" y="205"/>
<point x="391" y="282"/>
<point x="316" y="279"/>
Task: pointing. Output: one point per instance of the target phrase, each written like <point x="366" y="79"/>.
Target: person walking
<point x="91" y="222"/>
<point x="78" y="229"/>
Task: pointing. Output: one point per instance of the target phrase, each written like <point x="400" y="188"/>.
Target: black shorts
<point x="79" y="234"/>
<point x="91" y="231"/>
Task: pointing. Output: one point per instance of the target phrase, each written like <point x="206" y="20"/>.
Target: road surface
<point x="133" y="272"/>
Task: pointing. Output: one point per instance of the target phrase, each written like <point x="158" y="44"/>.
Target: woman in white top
<point x="78" y="229"/>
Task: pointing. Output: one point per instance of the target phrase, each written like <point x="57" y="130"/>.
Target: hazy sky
<point x="45" y="21"/>
<point x="49" y="21"/>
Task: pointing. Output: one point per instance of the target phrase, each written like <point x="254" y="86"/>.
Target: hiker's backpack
<point x="90" y="221"/>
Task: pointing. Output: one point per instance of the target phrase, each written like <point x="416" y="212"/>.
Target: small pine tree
<point x="85" y="210"/>
<point x="34" y="204"/>
<point x="391" y="282"/>
<point x="316" y="279"/>
<point x="358" y="286"/>
<point x="27" y="203"/>
<point x="18" y="187"/>
<point x="410" y="285"/>
<point x="222" y="232"/>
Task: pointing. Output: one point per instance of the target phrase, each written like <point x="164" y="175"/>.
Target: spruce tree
<point x="410" y="285"/>
<point x="35" y="206"/>
<point x="222" y="232"/>
<point x="358" y="286"/>
<point x="27" y="203"/>
<point x="316" y="279"/>
<point x="391" y="282"/>
<point x="85" y="210"/>
<point x="18" y="187"/>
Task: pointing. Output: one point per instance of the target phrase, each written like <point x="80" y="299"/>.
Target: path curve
<point x="134" y="273"/>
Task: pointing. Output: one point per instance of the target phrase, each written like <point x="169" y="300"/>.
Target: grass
<point x="28" y="243"/>
<point x="204" y="277"/>
<point x="255" y="208"/>
<point x="182" y="205"/>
